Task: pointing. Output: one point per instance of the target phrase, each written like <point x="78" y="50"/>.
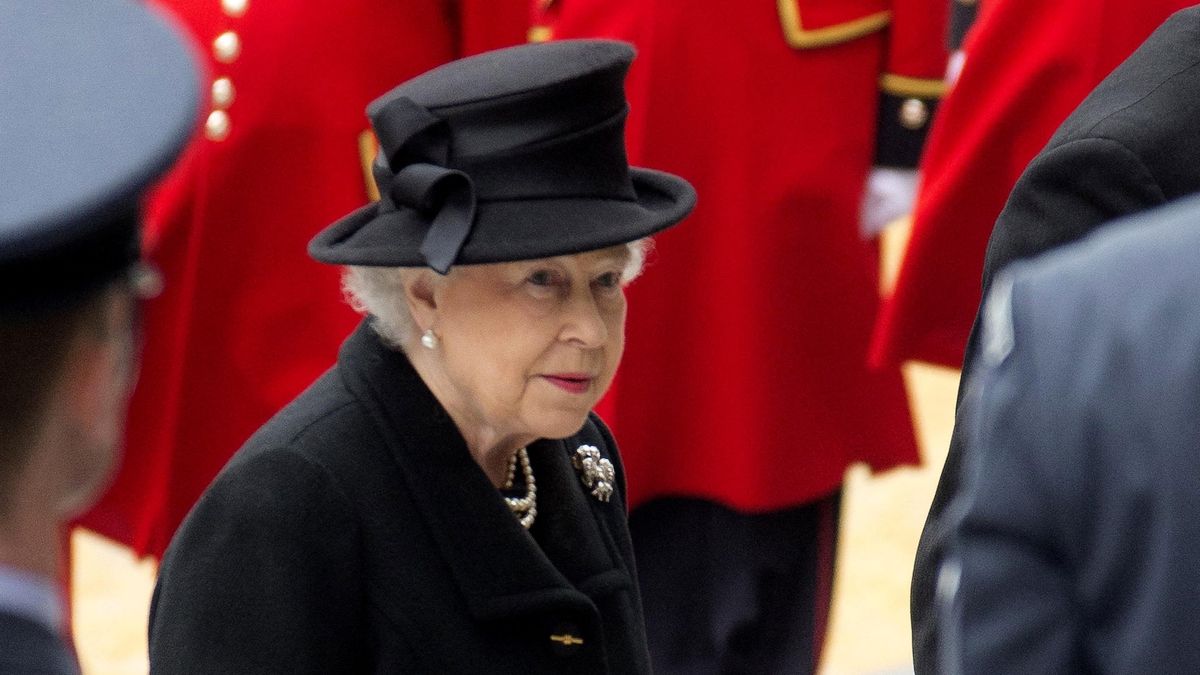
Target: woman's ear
<point x="420" y="292"/>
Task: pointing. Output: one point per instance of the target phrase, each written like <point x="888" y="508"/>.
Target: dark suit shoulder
<point x="1066" y="192"/>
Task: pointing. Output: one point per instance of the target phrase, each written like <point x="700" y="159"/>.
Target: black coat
<point x="354" y="533"/>
<point x="29" y="648"/>
<point x="1076" y="534"/>
<point x="1132" y="144"/>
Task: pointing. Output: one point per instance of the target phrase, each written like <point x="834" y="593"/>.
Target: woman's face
<point x="528" y="348"/>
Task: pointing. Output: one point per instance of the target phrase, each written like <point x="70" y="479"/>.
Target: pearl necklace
<point x="524" y="508"/>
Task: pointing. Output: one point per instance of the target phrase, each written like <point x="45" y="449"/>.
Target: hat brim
<point x="506" y="231"/>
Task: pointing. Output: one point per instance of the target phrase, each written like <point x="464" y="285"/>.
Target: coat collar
<point x="498" y="565"/>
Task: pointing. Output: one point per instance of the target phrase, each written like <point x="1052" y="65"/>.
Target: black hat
<point x="97" y="98"/>
<point x="513" y="154"/>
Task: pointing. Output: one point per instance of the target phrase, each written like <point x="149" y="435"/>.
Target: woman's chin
<point x="560" y="423"/>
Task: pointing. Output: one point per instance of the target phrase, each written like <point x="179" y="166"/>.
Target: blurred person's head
<point x="68" y="372"/>
<point x="97" y="98"/>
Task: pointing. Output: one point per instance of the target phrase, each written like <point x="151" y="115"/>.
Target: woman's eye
<point x="542" y="278"/>
<point x="609" y="280"/>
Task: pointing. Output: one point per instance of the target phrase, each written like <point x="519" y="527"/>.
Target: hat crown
<point x="512" y="98"/>
<point x="508" y="155"/>
<point x="524" y="69"/>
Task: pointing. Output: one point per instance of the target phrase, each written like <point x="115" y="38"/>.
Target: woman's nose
<point x="584" y="324"/>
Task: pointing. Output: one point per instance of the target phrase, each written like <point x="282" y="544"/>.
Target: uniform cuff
<point x="906" y="109"/>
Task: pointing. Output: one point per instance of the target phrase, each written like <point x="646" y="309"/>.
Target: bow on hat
<point x="411" y="171"/>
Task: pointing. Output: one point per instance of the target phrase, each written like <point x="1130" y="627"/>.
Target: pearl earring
<point x="429" y="340"/>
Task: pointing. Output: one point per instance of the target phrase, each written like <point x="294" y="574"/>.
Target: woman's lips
<point x="574" y="383"/>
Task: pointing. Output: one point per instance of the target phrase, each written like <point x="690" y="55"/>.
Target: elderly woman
<point x="443" y="501"/>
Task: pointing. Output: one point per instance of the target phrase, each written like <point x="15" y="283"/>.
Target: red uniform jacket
<point x="247" y="320"/>
<point x="744" y="379"/>
<point x="1028" y="64"/>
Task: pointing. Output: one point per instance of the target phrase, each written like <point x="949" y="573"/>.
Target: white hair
<point x="379" y="293"/>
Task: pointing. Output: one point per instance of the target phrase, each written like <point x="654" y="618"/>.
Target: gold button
<point x="913" y="113"/>
<point x="567" y="640"/>
<point x="234" y="8"/>
<point x="227" y="46"/>
<point x="216" y="127"/>
<point x="222" y="92"/>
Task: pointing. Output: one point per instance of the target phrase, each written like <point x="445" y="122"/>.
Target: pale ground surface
<point x="869" y="624"/>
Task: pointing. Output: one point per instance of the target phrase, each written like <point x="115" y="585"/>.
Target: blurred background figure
<point x="97" y="97"/>
<point x="740" y="420"/>
<point x="1076" y="533"/>
<point x="247" y="320"/>
<point x="1127" y="148"/>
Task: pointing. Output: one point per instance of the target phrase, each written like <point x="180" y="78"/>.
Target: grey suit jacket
<point x="1075" y="543"/>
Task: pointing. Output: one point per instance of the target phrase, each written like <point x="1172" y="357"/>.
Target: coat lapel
<point x="499" y="567"/>
<point x="570" y="525"/>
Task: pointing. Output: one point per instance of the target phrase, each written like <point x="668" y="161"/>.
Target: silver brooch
<point x="595" y="471"/>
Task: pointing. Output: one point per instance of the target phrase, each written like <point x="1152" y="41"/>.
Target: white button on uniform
<point x="913" y="113"/>
<point x="234" y="8"/>
<point x="227" y="46"/>
<point x="222" y="93"/>
<point x="216" y="127"/>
